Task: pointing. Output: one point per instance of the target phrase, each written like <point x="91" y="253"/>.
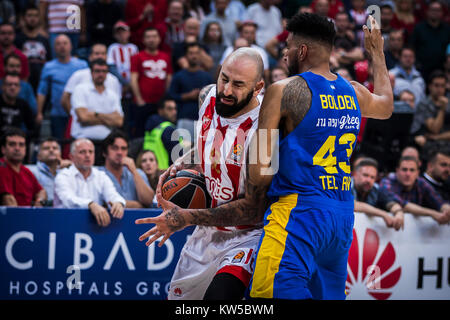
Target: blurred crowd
<point x="92" y="92"/>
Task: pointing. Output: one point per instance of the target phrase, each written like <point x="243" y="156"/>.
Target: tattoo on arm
<point x="203" y="94"/>
<point x="296" y="100"/>
<point x="175" y="220"/>
<point x="247" y="210"/>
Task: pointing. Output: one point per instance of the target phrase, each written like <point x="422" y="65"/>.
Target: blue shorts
<point x="303" y="250"/>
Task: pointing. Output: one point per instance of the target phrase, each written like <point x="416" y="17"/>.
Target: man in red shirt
<point x="7" y="35"/>
<point x="151" y="73"/>
<point x="18" y="186"/>
<point x="142" y="14"/>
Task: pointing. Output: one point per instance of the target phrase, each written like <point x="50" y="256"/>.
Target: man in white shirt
<point x="96" y="109"/>
<point x="247" y="30"/>
<point x="84" y="186"/>
<point x="98" y="51"/>
<point x="268" y="18"/>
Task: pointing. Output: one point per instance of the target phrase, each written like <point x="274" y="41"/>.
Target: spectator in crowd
<point x="33" y="43"/>
<point x="431" y="120"/>
<point x="407" y="76"/>
<point x="394" y="46"/>
<point x="64" y="17"/>
<point x="151" y="74"/>
<point x="191" y="35"/>
<point x="386" y="15"/>
<point x="278" y="73"/>
<point x="358" y="15"/>
<point x="235" y="9"/>
<point x="371" y="199"/>
<point x="120" y="52"/>
<point x="48" y="164"/>
<point x="7" y="47"/>
<point x="267" y="18"/>
<point x="98" y="51"/>
<point x="247" y="31"/>
<point x="159" y="133"/>
<point x="101" y="16"/>
<point x="185" y="88"/>
<point x="143" y="14"/>
<point x="417" y="196"/>
<point x="344" y="73"/>
<point x="437" y="172"/>
<point x="13" y="65"/>
<point x="408" y="97"/>
<point x="227" y="22"/>
<point x="404" y="17"/>
<point x="193" y="9"/>
<point x="213" y="41"/>
<point x="54" y="76"/>
<point x="146" y="160"/>
<point x="328" y="8"/>
<point x="96" y="109"/>
<point x="321" y="7"/>
<point x="18" y="186"/>
<point x="8" y="13"/>
<point x="345" y="50"/>
<point x="171" y="30"/>
<point x="84" y="186"/>
<point x="412" y="151"/>
<point x="14" y="111"/>
<point x="430" y="39"/>
<point x="131" y="183"/>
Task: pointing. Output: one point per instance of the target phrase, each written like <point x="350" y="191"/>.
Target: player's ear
<point x="258" y="87"/>
<point x="302" y="51"/>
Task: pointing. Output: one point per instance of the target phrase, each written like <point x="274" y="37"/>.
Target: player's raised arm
<point x="380" y="103"/>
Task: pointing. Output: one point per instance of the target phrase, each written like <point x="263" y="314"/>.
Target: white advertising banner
<point x="409" y="264"/>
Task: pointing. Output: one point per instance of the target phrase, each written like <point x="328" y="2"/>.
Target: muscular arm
<point x="380" y="103"/>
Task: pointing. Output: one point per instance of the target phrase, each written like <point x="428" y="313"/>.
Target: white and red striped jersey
<point x="63" y="15"/>
<point x="120" y="55"/>
<point x="222" y="145"/>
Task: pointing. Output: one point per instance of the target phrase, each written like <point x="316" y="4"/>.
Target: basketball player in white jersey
<point x="215" y="263"/>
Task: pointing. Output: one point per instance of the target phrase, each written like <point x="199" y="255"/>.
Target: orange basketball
<point x="187" y="189"/>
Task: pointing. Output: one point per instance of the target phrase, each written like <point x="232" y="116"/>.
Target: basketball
<point x="187" y="189"/>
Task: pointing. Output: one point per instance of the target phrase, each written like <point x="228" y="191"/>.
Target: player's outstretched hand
<point x="166" y="224"/>
<point x="373" y="40"/>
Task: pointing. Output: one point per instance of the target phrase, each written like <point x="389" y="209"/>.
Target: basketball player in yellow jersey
<point x="308" y="225"/>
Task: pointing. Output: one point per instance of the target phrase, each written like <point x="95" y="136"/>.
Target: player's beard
<point x="227" y="111"/>
<point x="293" y="66"/>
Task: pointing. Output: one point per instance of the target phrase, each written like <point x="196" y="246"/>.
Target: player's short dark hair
<point x="312" y="26"/>
<point x="109" y="140"/>
<point x="11" y="132"/>
<point x="367" y="162"/>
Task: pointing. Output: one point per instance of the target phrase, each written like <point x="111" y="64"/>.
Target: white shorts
<point x="210" y="251"/>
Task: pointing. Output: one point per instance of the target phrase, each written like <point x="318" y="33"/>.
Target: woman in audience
<point x="213" y="40"/>
<point x="146" y="160"/>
